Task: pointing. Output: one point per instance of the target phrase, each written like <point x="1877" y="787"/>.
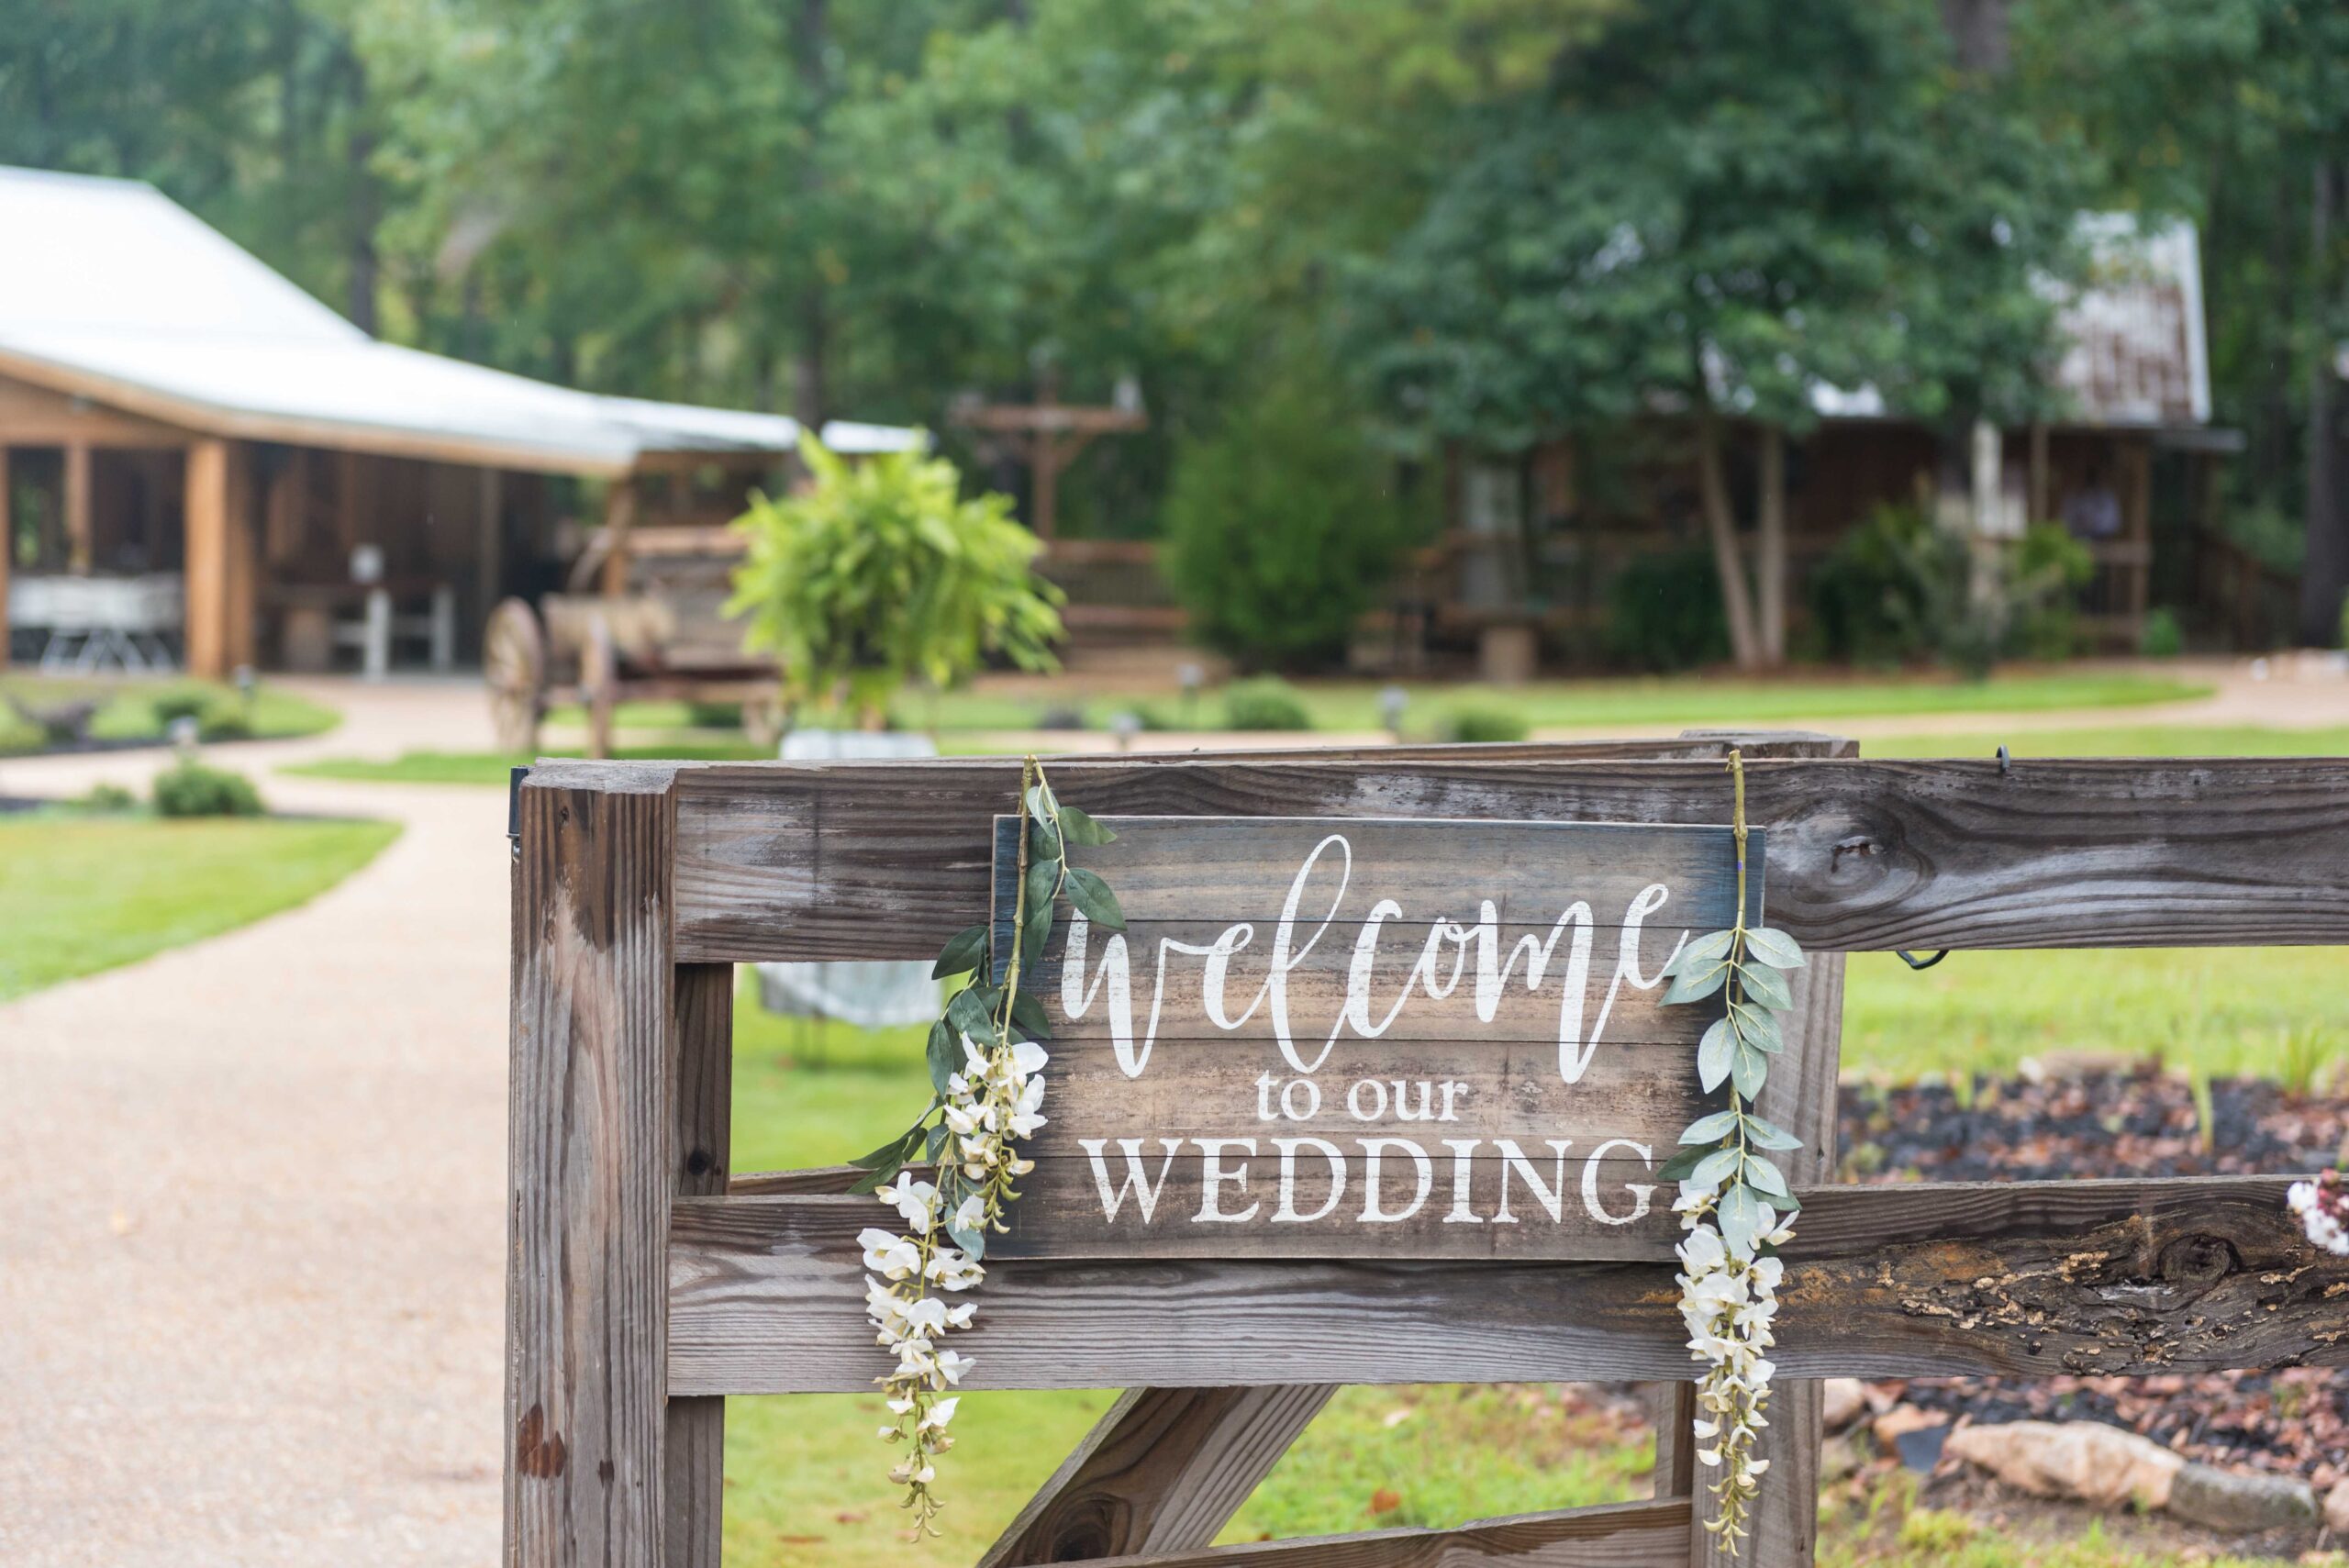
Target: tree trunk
<point x="1977" y="34"/>
<point x="1770" y="555"/>
<point x="1720" y="525"/>
<point x="2324" y="568"/>
<point x="810" y="37"/>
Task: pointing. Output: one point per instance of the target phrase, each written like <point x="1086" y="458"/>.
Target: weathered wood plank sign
<point x="1319" y="1037"/>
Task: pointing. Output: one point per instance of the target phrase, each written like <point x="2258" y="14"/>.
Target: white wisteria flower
<point x="1729" y="1298"/>
<point x="992" y="1101"/>
<point x="2322" y="1208"/>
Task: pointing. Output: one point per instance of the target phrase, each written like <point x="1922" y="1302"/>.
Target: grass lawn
<point x="81" y="894"/>
<point x="127" y="707"/>
<point x="1680" y="700"/>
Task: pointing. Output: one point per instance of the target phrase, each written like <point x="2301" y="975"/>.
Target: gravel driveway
<point x="251" y="1205"/>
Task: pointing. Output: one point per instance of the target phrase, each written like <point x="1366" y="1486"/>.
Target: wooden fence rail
<point x="648" y="1282"/>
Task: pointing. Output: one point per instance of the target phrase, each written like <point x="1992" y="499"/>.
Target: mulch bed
<point x="2133" y="1123"/>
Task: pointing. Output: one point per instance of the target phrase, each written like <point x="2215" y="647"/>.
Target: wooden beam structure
<point x="79" y="542"/>
<point x="7" y="552"/>
<point x="207" y="511"/>
<point x="1047" y="434"/>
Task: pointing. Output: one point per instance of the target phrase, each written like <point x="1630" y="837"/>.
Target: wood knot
<point x="538" y="1452"/>
<point x="700" y="1163"/>
<point x="2198" y="1263"/>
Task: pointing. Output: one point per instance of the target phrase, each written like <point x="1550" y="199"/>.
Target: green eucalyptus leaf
<point x="1694" y="985"/>
<point x="1741" y="1219"/>
<point x="1758" y="1027"/>
<point x="1076" y="828"/>
<point x="1029" y="1014"/>
<point x="1713" y="1055"/>
<point x="962" y="952"/>
<point x="937" y="1140"/>
<point x="1716" y="1167"/>
<point x="872" y="1181"/>
<point x="1043" y="888"/>
<point x="1774" y="948"/>
<point x="1680" y="1165"/>
<point x="1747" y="1069"/>
<point x="1765" y="986"/>
<point x="895" y="1150"/>
<point x="1711" y="1129"/>
<point x="1092" y="895"/>
<point x="971" y="1241"/>
<point x="968" y="1014"/>
<point x="1790" y="1205"/>
<point x="1709" y="948"/>
<point x="1766" y="1135"/>
<point x="944" y="1053"/>
<point x="1764" y="1177"/>
<point x="1043" y="842"/>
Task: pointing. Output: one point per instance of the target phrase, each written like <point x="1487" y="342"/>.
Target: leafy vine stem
<point x="985" y="1056"/>
<point x="1734" y="1205"/>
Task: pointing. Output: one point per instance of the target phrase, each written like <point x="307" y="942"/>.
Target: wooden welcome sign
<point x="1332" y="1037"/>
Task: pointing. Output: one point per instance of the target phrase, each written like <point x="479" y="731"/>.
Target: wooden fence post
<point x="595" y="1033"/>
<point x="694" y="1467"/>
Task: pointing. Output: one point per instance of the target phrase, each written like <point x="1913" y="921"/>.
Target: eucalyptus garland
<point x="1734" y="1205"/>
<point x="986" y="1058"/>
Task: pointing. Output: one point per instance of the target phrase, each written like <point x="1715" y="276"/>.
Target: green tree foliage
<point x="1717" y="207"/>
<point x="880" y="573"/>
<point x="1282" y="526"/>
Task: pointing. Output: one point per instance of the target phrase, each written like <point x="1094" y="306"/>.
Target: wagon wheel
<point x="763" y="720"/>
<point x="514" y="663"/>
<point x="600" y="681"/>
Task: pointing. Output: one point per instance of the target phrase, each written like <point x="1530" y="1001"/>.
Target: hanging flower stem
<point x="1734" y="1205"/>
<point x="985" y="1063"/>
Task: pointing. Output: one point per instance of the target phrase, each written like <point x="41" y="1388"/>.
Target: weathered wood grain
<point x="590" y="1186"/>
<point x="1163" y="1472"/>
<point x="887" y="861"/>
<point x="1180" y="1148"/>
<point x="701" y="1082"/>
<point x="2023" y="1279"/>
<point x="1672" y="1411"/>
<point x="1619" y="1535"/>
<point x="1212" y="871"/>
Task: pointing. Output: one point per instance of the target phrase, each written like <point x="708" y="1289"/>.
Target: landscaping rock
<point x="2336" y="1508"/>
<point x="2238" y="1502"/>
<point x="1841" y="1402"/>
<point x="2084" y="1460"/>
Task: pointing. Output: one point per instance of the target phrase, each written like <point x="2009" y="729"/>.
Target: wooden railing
<point x="648" y="1282"/>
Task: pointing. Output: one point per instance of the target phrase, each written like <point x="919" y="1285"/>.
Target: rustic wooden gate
<point x="648" y="1281"/>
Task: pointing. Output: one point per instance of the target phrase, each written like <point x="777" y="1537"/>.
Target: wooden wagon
<point x="648" y="1280"/>
<point x="656" y="630"/>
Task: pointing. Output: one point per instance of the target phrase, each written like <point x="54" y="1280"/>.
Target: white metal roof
<point x="110" y="290"/>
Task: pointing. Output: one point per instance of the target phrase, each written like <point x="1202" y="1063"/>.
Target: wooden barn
<point x="1534" y="541"/>
<point x="202" y="465"/>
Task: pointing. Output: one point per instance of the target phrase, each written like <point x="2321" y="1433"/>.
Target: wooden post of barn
<point x="8" y="554"/>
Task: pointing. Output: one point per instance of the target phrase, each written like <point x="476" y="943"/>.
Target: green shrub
<point x="2163" y="637"/>
<point x="1486" y="724"/>
<point x="879" y="574"/>
<point x="223" y="722"/>
<point x="108" y="799"/>
<point x="1265" y="704"/>
<point x="180" y="702"/>
<point x="191" y="789"/>
<point x="1896" y="587"/>
<point x="1663" y="612"/>
<point x="1282" y="527"/>
<point x="713" y="714"/>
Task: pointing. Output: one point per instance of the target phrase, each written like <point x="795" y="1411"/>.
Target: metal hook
<point x="2006" y="762"/>
<point x="1913" y="962"/>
